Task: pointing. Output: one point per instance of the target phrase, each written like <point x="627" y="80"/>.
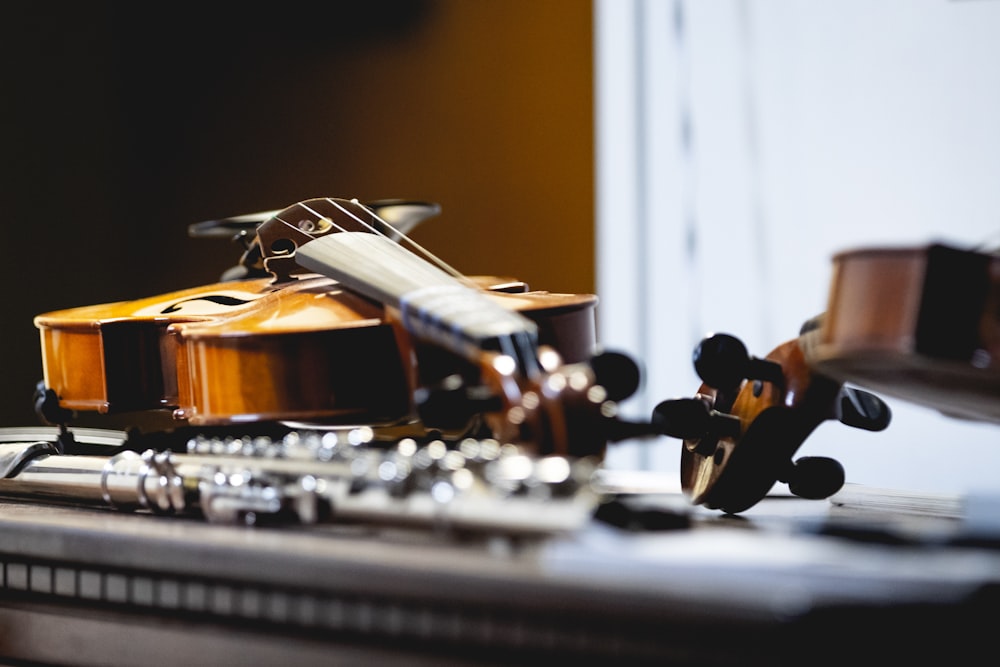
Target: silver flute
<point x="309" y="477"/>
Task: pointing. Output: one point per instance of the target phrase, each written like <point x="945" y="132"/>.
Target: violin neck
<point x="434" y="306"/>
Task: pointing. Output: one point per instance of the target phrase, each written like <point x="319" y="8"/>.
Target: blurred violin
<point x="920" y="323"/>
<point x="751" y="415"/>
<point x="346" y="326"/>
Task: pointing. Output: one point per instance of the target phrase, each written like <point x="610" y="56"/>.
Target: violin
<point x="922" y="324"/>
<point x="753" y="414"/>
<point x="347" y="326"/>
<point x="919" y="323"/>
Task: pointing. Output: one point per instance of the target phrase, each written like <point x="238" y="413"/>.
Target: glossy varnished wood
<point x="920" y="323"/>
<point x="257" y="350"/>
<point x="733" y="473"/>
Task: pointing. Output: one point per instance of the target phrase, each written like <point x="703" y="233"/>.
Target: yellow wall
<point x="127" y="127"/>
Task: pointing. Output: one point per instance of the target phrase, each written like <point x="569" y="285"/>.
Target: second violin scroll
<point x="757" y="412"/>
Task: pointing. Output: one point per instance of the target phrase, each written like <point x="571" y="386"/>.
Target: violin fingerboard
<point x="434" y="305"/>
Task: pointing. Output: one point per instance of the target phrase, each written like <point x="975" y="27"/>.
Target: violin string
<point x="378" y="232"/>
<point x="434" y="259"/>
<point x="377" y="249"/>
<point x="368" y="239"/>
<point x="429" y="259"/>
<point x="320" y="216"/>
<point x="523" y="350"/>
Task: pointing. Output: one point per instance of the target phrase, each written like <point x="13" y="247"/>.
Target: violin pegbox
<point x="762" y="410"/>
<point x="572" y="409"/>
<point x="562" y="410"/>
<point x="566" y="409"/>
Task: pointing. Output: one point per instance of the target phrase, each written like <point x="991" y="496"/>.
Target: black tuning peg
<point x="618" y="373"/>
<point x="693" y="419"/>
<point x="814" y="477"/>
<point x="50" y="412"/>
<point x="861" y="409"/>
<point x="722" y="362"/>
<point x="47" y="406"/>
<point x="452" y="403"/>
<point x="680" y="418"/>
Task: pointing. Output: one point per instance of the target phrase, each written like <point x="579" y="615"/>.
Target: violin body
<point x="304" y="349"/>
<point x="347" y="326"/>
<point x="922" y="324"/>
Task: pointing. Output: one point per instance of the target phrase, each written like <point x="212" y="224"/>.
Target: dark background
<point x="125" y="122"/>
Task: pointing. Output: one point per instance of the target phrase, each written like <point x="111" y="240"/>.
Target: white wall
<point x="814" y="127"/>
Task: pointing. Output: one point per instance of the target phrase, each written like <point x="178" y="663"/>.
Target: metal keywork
<point x="308" y="477"/>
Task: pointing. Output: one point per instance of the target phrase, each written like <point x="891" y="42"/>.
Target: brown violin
<point x="348" y="327"/>
<point x="918" y="323"/>
<point x="922" y="324"/>
<point x="751" y="415"/>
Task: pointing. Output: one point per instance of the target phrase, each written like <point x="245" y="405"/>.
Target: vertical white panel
<point x="617" y="105"/>
<point x="643" y="193"/>
<point x="670" y="257"/>
<point x="812" y="128"/>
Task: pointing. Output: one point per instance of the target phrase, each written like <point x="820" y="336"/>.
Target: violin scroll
<point x="749" y="418"/>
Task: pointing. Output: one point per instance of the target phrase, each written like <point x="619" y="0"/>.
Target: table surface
<point x="86" y="586"/>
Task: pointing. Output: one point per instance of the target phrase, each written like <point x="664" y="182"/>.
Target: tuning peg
<point x="722" y="362"/>
<point x="618" y="373"/>
<point x="693" y="419"/>
<point x="451" y="404"/>
<point x="814" y="477"/>
<point x="47" y="406"/>
<point x="861" y="409"/>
